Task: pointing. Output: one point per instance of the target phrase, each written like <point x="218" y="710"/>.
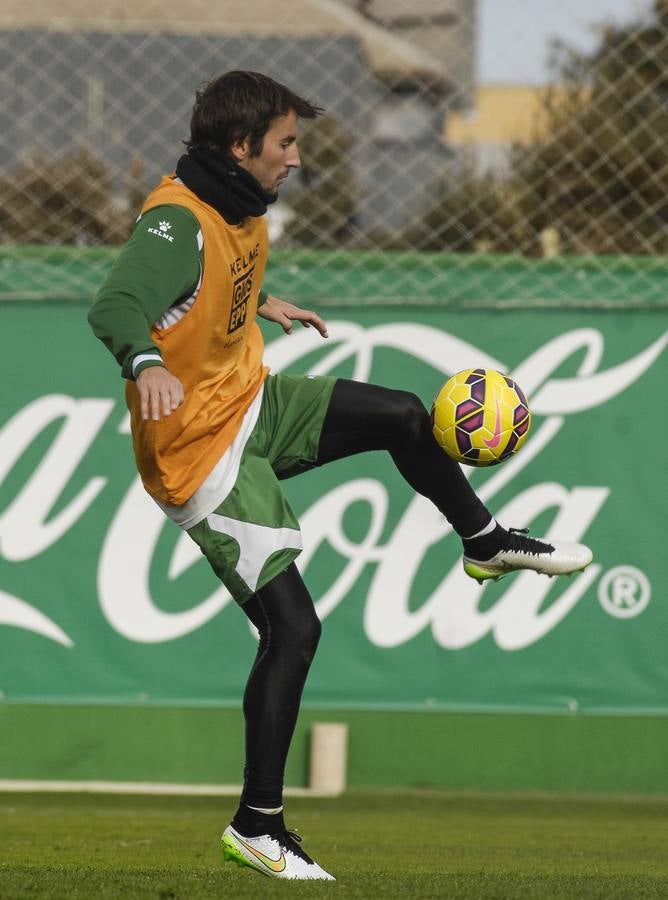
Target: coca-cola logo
<point x="452" y="612"/>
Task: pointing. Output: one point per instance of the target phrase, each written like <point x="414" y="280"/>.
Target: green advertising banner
<point x="104" y="601"/>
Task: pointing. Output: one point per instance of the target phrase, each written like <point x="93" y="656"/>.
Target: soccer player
<point x="214" y="432"/>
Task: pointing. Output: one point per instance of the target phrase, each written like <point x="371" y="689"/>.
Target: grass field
<point x="423" y="844"/>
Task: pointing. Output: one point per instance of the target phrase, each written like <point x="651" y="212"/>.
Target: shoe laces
<point x="290" y="840"/>
<point x="518" y="542"/>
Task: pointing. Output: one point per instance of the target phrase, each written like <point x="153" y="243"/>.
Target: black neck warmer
<point x="220" y="182"/>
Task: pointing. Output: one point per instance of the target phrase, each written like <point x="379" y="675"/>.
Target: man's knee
<point x="298" y="635"/>
<point x="289" y="617"/>
<point x="413" y="416"/>
<point x="308" y="637"/>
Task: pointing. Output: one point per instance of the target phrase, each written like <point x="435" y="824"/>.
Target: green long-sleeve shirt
<point x="160" y="266"/>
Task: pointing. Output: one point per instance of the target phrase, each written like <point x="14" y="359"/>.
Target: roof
<point x="389" y="56"/>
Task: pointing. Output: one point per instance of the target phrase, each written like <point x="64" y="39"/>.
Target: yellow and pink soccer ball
<point x="480" y="417"/>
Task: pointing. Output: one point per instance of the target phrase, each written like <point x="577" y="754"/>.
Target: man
<point x="214" y="432"/>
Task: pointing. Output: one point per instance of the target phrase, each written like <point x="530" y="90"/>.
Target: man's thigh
<point x="290" y="422"/>
<point x="253" y="535"/>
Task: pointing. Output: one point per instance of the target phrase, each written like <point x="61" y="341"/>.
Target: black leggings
<point x="363" y="417"/>
<point x="283" y="613"/>
<point x="360" y="417"/>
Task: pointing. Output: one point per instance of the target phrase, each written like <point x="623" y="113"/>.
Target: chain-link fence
<point x="501" y="193"/>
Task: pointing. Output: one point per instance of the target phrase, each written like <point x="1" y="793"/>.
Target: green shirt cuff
<point x="140" y="361"/>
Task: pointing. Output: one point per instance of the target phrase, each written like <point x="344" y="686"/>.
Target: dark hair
<point x="239" y="105"/>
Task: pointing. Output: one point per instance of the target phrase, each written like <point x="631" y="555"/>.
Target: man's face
<point x="279" y="154"/>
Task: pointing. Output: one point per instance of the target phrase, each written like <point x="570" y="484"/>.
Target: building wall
<point x="502" y="115"/>
<point x="122" y="101"/>
<point x="134" y="97"/>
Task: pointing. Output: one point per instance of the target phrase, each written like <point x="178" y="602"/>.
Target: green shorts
<point x="253" y="535"/>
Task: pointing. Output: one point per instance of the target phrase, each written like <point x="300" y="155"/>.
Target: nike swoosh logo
<point x="495" y="440"/>
<point x="276" y="865"/>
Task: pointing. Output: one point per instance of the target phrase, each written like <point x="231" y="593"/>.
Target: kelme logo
<point x="162" y="231"/>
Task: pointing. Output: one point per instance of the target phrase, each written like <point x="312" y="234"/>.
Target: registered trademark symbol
<point x="624" y="592"/>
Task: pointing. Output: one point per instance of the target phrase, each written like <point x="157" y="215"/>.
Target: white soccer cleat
<point x="520" y="552"/>
<point x="276" y="855"/>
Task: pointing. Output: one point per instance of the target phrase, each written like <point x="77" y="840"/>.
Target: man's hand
<point x="158" y="389"/>
<point x="284" y="314"/>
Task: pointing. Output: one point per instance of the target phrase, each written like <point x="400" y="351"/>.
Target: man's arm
<point x="158" y="266"/>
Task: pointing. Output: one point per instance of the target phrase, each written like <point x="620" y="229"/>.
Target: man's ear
<point x="240" y="150"/>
